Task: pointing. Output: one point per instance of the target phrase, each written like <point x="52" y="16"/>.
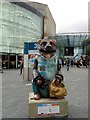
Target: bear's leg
<point x="44" y="92"/>
<point x="36" y="91"/>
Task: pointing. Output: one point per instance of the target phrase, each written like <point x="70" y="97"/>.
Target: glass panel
<point x="19" y="25"/>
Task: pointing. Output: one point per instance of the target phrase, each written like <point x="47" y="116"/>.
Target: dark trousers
<point x="67" y="67"/>
<point x="21" y="70"/>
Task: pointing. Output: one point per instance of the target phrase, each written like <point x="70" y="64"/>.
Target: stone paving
<point x="76" y="81"/>
<point x="15" y="93"/>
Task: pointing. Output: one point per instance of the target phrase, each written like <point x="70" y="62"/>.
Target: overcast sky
<point x="69" y="15"/>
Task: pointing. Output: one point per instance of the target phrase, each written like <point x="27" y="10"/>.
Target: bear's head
<point x="47" y="47"/>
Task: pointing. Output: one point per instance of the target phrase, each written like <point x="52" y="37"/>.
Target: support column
<point x="26" y="66"/>
<point x="16" y="61"/>
<point x="8" y="61"/>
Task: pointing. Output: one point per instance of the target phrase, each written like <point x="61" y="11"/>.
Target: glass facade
<point x="70" y="45"/>
<point x="18" y="25"/>
<point x="70" y="40"/>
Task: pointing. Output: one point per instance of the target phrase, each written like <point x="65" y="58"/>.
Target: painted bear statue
<point x="45" y="69"/>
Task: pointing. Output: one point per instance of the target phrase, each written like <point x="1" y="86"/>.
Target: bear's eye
<point x="52" y="44"/>
<point x="43" y="44"/>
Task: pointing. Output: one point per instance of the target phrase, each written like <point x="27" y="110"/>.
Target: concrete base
<point x="46" y="107"/>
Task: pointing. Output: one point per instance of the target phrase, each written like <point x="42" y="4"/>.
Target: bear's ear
<point x="38" y="41"/>
<point x="54" y="41"/>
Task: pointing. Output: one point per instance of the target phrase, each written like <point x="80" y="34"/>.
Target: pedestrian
<point x="59" y="63"/>
<point x="72" y="62"/>
<point x="63" y="62"/>
<point x="67" y="63"/>
<point x="21" y="67"/>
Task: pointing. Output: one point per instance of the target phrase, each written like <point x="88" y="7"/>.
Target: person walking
<point x="60" y="63"/>
<point x="71" y="62"/>
<point x="21" y="67"/>
<point x="67" y="63"/>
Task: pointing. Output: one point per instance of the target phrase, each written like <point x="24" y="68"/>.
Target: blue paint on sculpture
<point x="47" y="67"/>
